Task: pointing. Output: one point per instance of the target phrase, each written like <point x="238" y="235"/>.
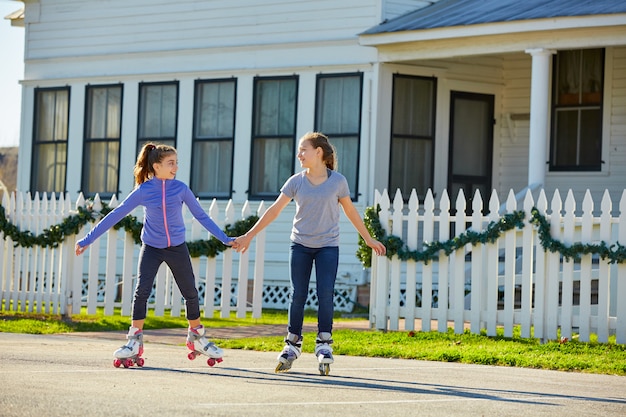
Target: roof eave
<point x="16" y="18"/>
<point x="487" y="29"/>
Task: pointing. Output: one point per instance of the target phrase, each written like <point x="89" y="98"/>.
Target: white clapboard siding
<point x="510" y="282"/>
<point x="62" y="28"/>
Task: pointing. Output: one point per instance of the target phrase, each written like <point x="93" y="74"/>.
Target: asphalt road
<point x="61" y="375"/>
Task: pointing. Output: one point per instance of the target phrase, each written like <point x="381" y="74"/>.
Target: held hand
<point x="242" y="243"/>
<point x="79" y="249"/>
<point x="377" y="247"/>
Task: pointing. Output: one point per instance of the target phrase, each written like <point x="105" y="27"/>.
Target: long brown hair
<point x="150" y="154"/>
<point x="320" y="140"/>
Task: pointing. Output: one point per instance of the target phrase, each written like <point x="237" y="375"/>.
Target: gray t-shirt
<point x="316" y="222"/>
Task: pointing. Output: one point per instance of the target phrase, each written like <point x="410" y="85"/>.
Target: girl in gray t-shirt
<point x="318" y="191"/>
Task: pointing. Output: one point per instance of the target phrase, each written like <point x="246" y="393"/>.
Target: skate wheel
<point x="219" y="360"/>
<point x="211" y="362"/>
<point x="117" y="363"/>
<point x="127" y="363"/>
<point x="140" y="362"/>
<point x="282" y="367"/>
<point x="324" y="369"/>
<point x="191" y="355"/>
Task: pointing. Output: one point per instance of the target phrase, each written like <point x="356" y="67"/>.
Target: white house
<point x="447" y="94"/>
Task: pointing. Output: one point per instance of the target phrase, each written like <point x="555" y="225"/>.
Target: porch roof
<point x="454" y="13"/>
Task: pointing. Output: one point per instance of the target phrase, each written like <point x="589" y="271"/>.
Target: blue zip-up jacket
<point x="163" y="224"/>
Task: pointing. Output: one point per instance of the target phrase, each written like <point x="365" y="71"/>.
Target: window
<point x="576" y="142"/>
<point x="103" y="127"/>
<point x="158" y="113"/>
<point x="50" y="135"/>
<point x="273" y="134"/>
<point x="412" y="135"/>
<point x="338" y="116"/>
<point x="213" y="138"/>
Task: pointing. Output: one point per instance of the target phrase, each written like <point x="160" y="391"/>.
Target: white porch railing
<point x="512" y="281"/>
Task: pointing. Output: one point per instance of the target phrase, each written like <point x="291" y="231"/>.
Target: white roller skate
<point x="198" y="344"/>
<point x="291" y="352"/>
<point x="324" y="352"/>
<point x="131" y="352"/>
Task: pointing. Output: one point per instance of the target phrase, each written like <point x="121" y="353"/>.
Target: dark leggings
<point x="178" y="260"/>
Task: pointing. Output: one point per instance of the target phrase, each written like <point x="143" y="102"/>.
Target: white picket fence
<point x="55" y="280"/>
<point x="511" y="282"/>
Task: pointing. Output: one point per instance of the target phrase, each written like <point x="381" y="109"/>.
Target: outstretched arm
<point x="355" y="218"/>
<point x="205" y="220"/>
<point x="242" y="243"/>
<point x="108" y="221"/>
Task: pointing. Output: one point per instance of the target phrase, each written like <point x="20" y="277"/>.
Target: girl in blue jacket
<point x="163" y="240"/>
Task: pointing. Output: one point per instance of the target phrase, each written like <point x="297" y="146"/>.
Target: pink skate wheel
<point x="140" y="361"/>
<point x="127" y="363"/>
<point x="191" y="355"/>
<point x="211" y="362"/>
<point x="117" y="363"/>
<point x="219" y="360"/>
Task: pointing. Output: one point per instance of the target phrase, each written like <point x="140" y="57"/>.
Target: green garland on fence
<point x="615" y="253"/>
<point x="71" y="225"/>
<point x="53" y="236"/>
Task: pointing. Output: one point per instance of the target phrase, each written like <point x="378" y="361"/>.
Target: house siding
<point x="617" y="124"/>
<point x="65" y="28"/>
<point x="514" y="126"/>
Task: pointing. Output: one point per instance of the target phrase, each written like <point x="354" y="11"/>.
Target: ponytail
<point x="149" y="154"/>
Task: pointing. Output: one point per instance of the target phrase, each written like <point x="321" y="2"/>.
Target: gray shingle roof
<point x="449" y="13"/>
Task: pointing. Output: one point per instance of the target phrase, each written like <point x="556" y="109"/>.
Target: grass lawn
<point x="573" y="356"/>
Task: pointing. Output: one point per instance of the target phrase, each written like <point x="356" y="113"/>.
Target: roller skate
<point x="291" y="352"/>
<point x="324" y="352"/>
<point x="198" y="344"/>
<point x="131" y="352"/>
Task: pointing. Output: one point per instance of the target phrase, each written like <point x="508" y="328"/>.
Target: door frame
<point x="489" y="98"/>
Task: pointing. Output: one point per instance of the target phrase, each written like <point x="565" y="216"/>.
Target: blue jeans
<point x="178" y="260"/>
<point x="301" y="261"/>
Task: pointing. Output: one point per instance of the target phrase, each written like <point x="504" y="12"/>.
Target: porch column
<point x="539" y="129"/>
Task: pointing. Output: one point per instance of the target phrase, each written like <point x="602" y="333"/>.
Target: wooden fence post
<point x="457" y="260"/>
<point x="381" y="282"/>
<point x="541" y="279"/>
<point x="227" y="271"/>
<point x="604" y="273"/>
<point x="620" y="325"/>
<point x="444" y="262"/>
<point x="259" y="262"/>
